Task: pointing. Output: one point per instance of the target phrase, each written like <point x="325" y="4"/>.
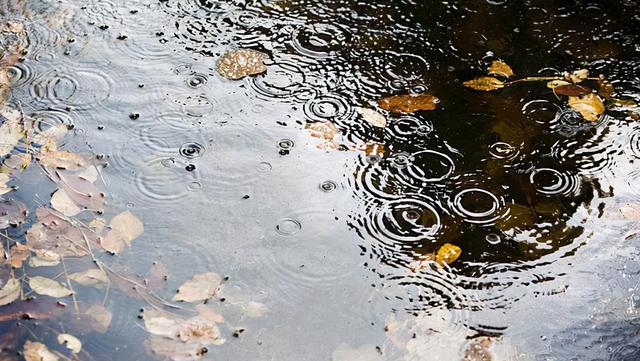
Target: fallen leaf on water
<point x="408" y="104"/>
<point x="254" y="309"/>
<point x="484" y="83"/>
<point x="572" y="90"/>
<point x="447" y="254"/>
<point x="44" y="258"/>
<point x="12" y="212"/>
<point x="97" y="224"/>
<point x="12" y="27"/>
<point x="323" y="130"/>
<point x="55" y="233"/>
<point x="36" y="351"/>
<point x="174" y="350"/>
<point x="201" y="287"/>
<point x="422" y="263"/>
<point x="60" y="201"/>
<point x="372" y="117"/>
<point x="556" y="83"/>
<point x="100" y="316"/>
<point x="631" y="212"/>
<point x="157" y="277"/>
<point x="478" y="350"/>
<point x="236" y="64"/>
<point x="11" y="130"/>
<point x="93" y="277"/>
<point x="81" y="190"/>
<point x="4" y="179"/>
<point x="72" y="343"/>
<point x="576" y="76"/>
<point x="498" y="67"/>
<point x="124" y="228"/>
<point x="19" y="254"/>
<point x="63" y="160"/>
<point x="208" y="313"/>
<point x="590" y="106"/>
<point x="10" y="291"/>
<point x="48" y="287"/>
<point x="372" y="148"/>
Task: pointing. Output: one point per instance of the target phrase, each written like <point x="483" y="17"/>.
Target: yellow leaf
<point x="36" y="351"/>
<point x="577" y="76"/>
<point x="237" y="64"/>
<point x="448" y="253"/>
<point x="484" y="83"/>
<point x="372" y="117"/>
<point x="48" y="287"/>
<point x="498" y="67"/>
<point x="10" y="291"/>
<point x="590" y="106"/>
<point x="408" y="104"/>
<point x="72" y="343"/>
<point x="556" y="83"/>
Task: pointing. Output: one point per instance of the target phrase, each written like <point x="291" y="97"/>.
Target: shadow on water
<point x="340" y="244"/>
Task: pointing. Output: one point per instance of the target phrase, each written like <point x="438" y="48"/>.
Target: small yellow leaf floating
<point x="72" y="343"/>
<point x="484" y="83"/>
<point x="372" y="117"/>
<point x="500" y="68"/>
<point x="201" y="287"/>
<point x="48" y="287"/>
<point x="125" y="227"/>
<point x="448" y="253"/>
<point x="237" y="64"/>
<point x="408" y="103"/>
<point x="590" y="106"/>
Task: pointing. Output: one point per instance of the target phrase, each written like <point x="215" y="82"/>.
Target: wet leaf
<point x="10" y="291"/>
<point x="61" y="202"/>
<point x="372" y="117"/>
<point x="93" y="277"/>
<point x="590" y="106"/>
<point x="631" y="212"/>
<point x="72" y="343"/>
<point x="572" y="90"/>
<point x="408" y="104"/>
<point x="237" y="64"/>
<point x="63" y="160"/>
<point x="100" y="316"/>
<point x="605" y="88"/>
<point x="323" y="130"/>
<point x="577" y="76"/>
<point x="478" y="350"/>
<point x="4" y="179"/>
<point x="199" y="288"/>
<point x="556" y="83"/>
<point x="125" y="227"/>
<point x="97" y="224"/>
<point x="623" y="103"/>
<point x="12" y="27"/>
<point x="484" y="83"/>
<point x="500" y="68"/>
<point x="19" y="254"/>
<point x="174" y="350"/>
<point x="372" y="148"/>
<point x="44" y="258"/>
<point x="48" y="287"/>
<point x="11" y="130"/>
<point x="81" y="190"/>
<point x="447" y="254"/>
<point x="55" y="233"/>
<point x="12" y="213"/>
<point x="422" y="263"/>
<point x="197" y="329"/>
<point x="36" y="351"/>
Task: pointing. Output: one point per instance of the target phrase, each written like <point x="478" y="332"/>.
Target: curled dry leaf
<point x="201" y="287"/>
<point x="577" y="76"/>
<point x="55" y="233"/>
<point x="19" y="254"/>
<point x="408" y="104"/>
<point x="44" y="258"/>
<point x="236" y="64"/>
<point x="61" y="202"/>
<point x="10" y="291"/>
<point x="500" y="68"/>
<point x="484" y="83"/>
<point x="12" y="213"/>
<point x="36" y="351"/>
<point x="372" y="117"/>
<point x="125" y="227"/>
<point x="72" y="343"/>
<point x="590" y="106"/>
<point x="447" y="254"/>
<point x="48" y="287"/>
<point x="93" y="277"/>
<point x="572" y="90"/>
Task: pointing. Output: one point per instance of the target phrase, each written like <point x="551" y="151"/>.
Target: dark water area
<point x="328" y="248"/>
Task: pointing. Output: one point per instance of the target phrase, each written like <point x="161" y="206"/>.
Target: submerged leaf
<point x="12" y="213"/>
<point x="125" y="227"/>
<point x="589" y="106"/>
<point x="44" y="258"/>
<point x="72" y="343"/>
<point x="447" y="254"/>
<point x="201" y="287"/>
<point x="55" y="233"/>
<point x="63" y="160"/>
<point x="48" y="287"/>
<point x="19" y="254"/>
<point x="60" y="201"/>
<point x="100" y="316"/>
<point x="484" y="83"/>
<point x="498" y="67"/>
<point x="11" y="130"/>
<point x="408" y="104"/>
<point x="174" y="350"/>
<point x="236" y="64"/>
<point x="10" y="291"/>
<point x="93" y="277"/>
<point x="36" y="351"/>
<point x="372" y="117"/>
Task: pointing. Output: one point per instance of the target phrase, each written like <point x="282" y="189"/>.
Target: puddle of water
<point x="226" y="178"/>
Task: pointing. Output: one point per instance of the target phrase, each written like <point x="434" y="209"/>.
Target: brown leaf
<point x="12" y="213"/>
<point x="12" y="27"/>
<point x="81" y="190"/>
<point x="36" y="351"/>
<point x="408" y="104"/>
<point x="44" y="258"/>
<point x="61" y="202"/>
<point x="372" y="117"/>
<point x="324" y="130"/>
<point x="556" y="83"/>
<point x="4" y="187"/>
<point x="484" y="83"/>
<point x="572" y="90"/>
<point x="631" y="212"/>
<point x="125" y="227"/>
<point x="10" y="291"/>
<point x="201" y="287"/>
<point x="500" y="68"/>
<point x="478" y="350"/>
<point x="590" y="106"/>
<point x="236" y="64"/>
<point x="11" y="130"/>
<point x="55" y="233"/>
<point x="19" y="254"/>
<point x="447" y="254"/>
